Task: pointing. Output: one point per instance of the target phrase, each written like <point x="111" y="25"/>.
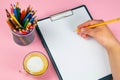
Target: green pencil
<point x="26" y="22"/>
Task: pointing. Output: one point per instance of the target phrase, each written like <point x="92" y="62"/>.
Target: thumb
<point x="88" y="31"/>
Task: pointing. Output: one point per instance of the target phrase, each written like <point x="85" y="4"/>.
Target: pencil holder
<point x="23" y="39"/>
<point x="22" y="24"/>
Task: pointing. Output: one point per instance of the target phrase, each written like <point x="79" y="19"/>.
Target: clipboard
<point x="73" y="57"/>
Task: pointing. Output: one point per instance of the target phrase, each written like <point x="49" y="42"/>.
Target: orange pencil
<point x="10" y="25"/>
<point x="17" y="5"/>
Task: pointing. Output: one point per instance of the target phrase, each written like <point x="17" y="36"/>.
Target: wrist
<point x="114" y="44"/>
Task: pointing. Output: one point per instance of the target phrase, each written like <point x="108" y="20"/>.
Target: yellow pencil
<point x="13" y="17"/>
<point x="100" y="24"/>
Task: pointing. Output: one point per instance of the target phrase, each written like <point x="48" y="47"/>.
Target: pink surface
<point x="12" y="55"/>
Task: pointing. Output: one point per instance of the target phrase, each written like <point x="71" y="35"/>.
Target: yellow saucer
<point x="27" y="62"/>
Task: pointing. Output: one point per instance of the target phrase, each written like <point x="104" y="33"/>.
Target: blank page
<point x="75" y="57"/>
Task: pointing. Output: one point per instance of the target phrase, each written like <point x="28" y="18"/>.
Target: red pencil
<point x="11" y="8"/>
<point x="22" y="15"/>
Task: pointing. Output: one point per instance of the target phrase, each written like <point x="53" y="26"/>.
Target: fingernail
<point x="83" y="30"/>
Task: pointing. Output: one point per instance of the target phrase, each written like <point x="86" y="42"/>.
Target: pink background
<point x="12" y="55"/>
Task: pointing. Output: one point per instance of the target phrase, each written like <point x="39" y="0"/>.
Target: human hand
<point x="102" y="33"/>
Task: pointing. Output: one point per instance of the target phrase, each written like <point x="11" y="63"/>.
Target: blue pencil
<point x="27" y="17"/>
<point x="32" y="19"/>
<point x="15" y="12"/>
